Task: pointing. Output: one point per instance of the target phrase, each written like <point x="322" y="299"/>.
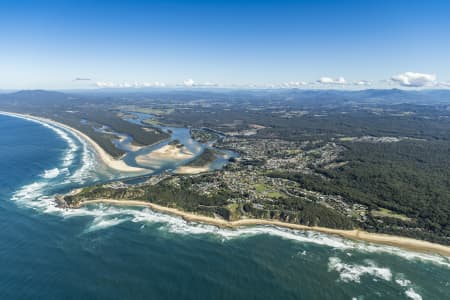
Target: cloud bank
<point x="407" y="80"/>
<point x="362" y="83"/>
<point x="444" y="84"/>
<point x="412" y="79"/>
<point x="192" y="83"/>
<point x="111" y="85"/>
<point x="329" y="80"/>
<point x="294" y="84"/>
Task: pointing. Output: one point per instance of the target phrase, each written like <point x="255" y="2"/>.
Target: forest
<point x="411" y="178"/>
<point x="179" y="195"/>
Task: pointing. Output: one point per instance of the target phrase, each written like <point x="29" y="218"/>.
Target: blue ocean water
<point x="104" y="252"/>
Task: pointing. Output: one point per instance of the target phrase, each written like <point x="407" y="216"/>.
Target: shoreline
<point x="355" y="234"/>
<point x="120" y="165"/>
<point x="107" y="159"/>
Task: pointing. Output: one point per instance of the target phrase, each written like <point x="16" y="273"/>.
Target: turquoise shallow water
<point x="104" y="252"/>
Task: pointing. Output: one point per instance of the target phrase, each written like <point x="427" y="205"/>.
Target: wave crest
<point x="50" y="174"/>
<point x="349" y="272"/>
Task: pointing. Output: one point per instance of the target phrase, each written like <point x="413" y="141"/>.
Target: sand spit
<point x="165" y="153"/>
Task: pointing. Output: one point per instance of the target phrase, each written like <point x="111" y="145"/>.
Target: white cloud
<point x="208" y="83"/>
<point x="444" y="84"/>
<point x="329" y="80"/>
<point x="362" y="83"/>
<point x="192" y="83"/>
<point x="408" y="79"/>
<point x="109" y="84"/>
<point x="189" y="82"/>
<point x="126" y="85"/>
<point x="412" y="79"/>
<point x="105" y="84"/>
<point x="153" y="84"/>
<point x="294" y="84"/>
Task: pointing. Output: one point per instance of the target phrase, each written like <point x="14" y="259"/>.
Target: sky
<point x="304" y="44"/>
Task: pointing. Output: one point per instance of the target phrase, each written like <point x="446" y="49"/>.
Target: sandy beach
<point x="359" y="235"/>
<point x="165" y="153"/>
<point x="116" y="164"/>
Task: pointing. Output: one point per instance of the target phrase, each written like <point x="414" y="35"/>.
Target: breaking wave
<point x="72" y="147"/>
<point x="49" y="174"/>
<point x="410" y="293"/>
<point x="88" y="160"/>
<point x="353" y="272"/>
<point x="102" y="223"/>
<point x="77" y="165"/>
<point x="106" y="216"/>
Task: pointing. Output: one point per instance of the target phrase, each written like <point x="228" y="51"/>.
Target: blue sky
<point x="48" y="44"/>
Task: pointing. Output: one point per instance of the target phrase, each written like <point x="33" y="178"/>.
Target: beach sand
<point x="165" y="153"/>
<point x="391" y="240"/>
<point x="130" y="146"/>
<point x="108" y="160"/>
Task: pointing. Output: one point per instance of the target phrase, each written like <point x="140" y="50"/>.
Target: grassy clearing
<point x="260" y="187"/>
<point x="276" y="195"/>
<point x="386" y="213"/>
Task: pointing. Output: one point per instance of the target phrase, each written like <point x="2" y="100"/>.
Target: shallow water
<point x="176" y="133"/>
<point x="104" y="252"/>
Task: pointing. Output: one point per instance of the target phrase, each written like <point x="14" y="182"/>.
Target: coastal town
<point x="249" y="180"/>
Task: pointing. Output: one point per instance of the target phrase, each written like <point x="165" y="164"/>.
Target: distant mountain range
<point x="375" y="96"/>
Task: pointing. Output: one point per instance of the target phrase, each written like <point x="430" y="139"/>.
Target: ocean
<point x="106" y="252"/>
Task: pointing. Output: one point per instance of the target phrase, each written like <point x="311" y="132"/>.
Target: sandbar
<point x="165" y="153"/>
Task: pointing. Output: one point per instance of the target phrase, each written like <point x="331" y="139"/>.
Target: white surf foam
<point x="88" y="161"/>
<point x="103" y="222"/>
<point x="62" y="133"/>
<point x="29" y="192"/>
<point x="50" y="174"/>
<point x="408" y="285"/>
<point x="410" y="293"/>
<point x="177" y="225"/>
<point x="354" y="272"/>
<point x="33" y="194"/>
<point x="403" y="282"/>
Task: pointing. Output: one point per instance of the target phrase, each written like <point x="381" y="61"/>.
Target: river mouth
<point x="168" y="164"/>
